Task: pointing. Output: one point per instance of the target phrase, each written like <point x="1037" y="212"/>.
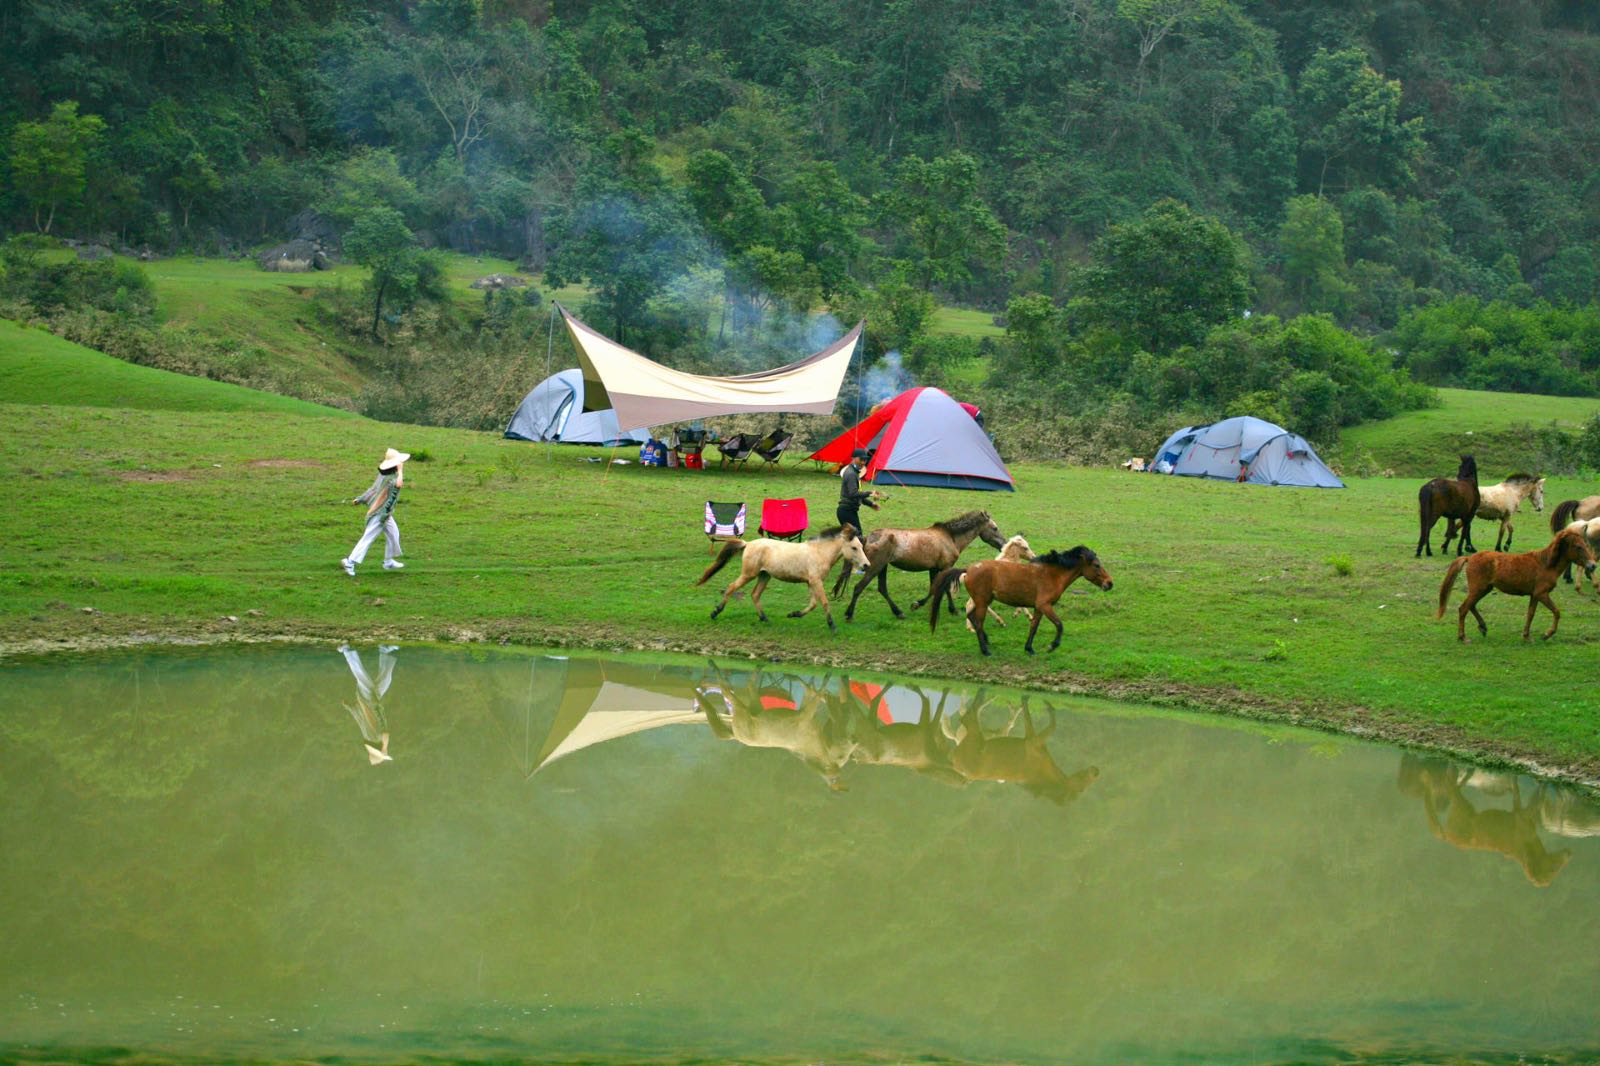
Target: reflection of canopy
<point x="645" y="393"/>
<point x="595" y="709"/>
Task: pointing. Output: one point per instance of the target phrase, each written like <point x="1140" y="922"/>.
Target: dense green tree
<point x="1311" y="241"/>
<point x="1165" y="278"/>
<point x="49" y="160"/>
<point x="947" y="225"/>
<point x="400" y="271"/>
<point x="1351" y="115"/>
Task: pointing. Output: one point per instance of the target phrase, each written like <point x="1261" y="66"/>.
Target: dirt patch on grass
<point x="286" y="464"/>
<point x="154" y="476"/>
<point x="101" y="632"/>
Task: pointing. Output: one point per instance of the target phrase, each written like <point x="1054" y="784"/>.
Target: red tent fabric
<point x="923" y="438"/>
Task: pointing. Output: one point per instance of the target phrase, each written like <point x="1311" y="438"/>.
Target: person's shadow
<point x="368" y="711"/>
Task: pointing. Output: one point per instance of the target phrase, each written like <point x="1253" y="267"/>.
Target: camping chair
<point x="724" y="520"/>
<point x="784" y="519"/>
<point x="772" y="446"/>
<point x="736" y="449"/>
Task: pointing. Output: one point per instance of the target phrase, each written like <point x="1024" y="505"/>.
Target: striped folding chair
<point x="724" y="520"/>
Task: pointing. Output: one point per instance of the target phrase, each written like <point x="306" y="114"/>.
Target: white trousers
<point x="391" y="539"/>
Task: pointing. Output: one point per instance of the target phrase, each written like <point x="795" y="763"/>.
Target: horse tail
<point x="729" y="550"/>
<point x="1563" y="515"/>
<point x="940" y="584"/>
<point x="1456" y="566"/>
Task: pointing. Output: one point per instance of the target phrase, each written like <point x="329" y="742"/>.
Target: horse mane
<point x="1521" y="479"/>
<point x="831" y="533"/>
<point x="1068" y="559"/>
<point x="1469" y="468"/>
<point x="963" y="523"/>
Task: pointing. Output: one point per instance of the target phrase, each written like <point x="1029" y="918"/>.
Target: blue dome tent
<point x="1269" y="455"/>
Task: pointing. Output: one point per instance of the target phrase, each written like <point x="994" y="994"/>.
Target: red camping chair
<point x="784" y="519"/>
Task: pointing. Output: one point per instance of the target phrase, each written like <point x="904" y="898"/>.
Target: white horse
<point x="1591" y="533"/>
<point x="805" y="563"/>
<point x="1500" y="502"/>
<point x="1016" y="550"/>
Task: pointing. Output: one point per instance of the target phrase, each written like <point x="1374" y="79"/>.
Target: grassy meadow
<point x="222" y="513"/>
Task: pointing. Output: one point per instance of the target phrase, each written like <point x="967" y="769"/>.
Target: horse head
<point x="1468" y="470"/>
<point x="1537" y="496"/>
<point x="1082" y="559"/>
<point x="990" y="533"/>
<point x="853" y="550"/>
<point x="1575" y="549"/>
<point x="1017" y="549"/>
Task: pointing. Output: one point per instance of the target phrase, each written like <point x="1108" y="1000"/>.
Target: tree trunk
<point x="377" y="309"/>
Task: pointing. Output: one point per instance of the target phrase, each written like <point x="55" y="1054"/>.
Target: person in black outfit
<point x="850" y="495"/>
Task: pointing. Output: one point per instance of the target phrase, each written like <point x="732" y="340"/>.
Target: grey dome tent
<point x="1271" y="454"/>
<point x="554" y="411"/>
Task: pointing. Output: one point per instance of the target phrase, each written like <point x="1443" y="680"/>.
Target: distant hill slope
<point x="39" y="368"/>
<point x="1498" y="428"/>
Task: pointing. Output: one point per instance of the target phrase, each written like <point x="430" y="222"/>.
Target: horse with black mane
<point x="929" y="550"/>
<point x="1037" y="585"/>
<point x="1447" y="498"/>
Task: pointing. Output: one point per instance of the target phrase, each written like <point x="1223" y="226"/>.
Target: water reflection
<point x="1466" y="822"/>
<point x="370" y="693"/>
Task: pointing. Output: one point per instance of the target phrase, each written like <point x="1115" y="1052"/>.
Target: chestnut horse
<point x="1018" y="551"/>
<point x="1444" y="498"/>
<point x="928" y="550"/>
<point x="1531" y="574"/>
<point x="1037" y="585"/>
<point x="807" y="563"/>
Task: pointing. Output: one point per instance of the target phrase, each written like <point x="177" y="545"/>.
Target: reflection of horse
<point x="1499" y="503"/>
<point x="921" y="745"/>
<point x="1038" y="585"/>
<point x="806" y="563"/>
<point x="1531" y="574"/>
<point x="1444" y="498"/>
<point x="368" y="711"/>
<point x="919" y="550"/>
<point x="1453" y="818"/>
<point x="1016" y="550"/>
<point x="1024" y="760"/>
<point x="815" y="732"/>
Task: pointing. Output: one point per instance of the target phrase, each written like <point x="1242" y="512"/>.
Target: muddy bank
<point x="93" y="632"/>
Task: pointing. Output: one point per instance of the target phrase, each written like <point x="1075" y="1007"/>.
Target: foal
<point x="1038" y="585"/>
<point x="805" y="563"/>
<point x="1531" y="574"/>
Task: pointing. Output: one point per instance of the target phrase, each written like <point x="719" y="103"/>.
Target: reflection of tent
<point x="1273" y="455"/>
<point x="602" y="701"/>
<point x="554" y="411"/>
<point x="922" y="437"/>
<point x="645" y="393"/>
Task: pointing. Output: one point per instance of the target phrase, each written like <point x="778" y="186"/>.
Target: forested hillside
<point x="1139" y="174"/>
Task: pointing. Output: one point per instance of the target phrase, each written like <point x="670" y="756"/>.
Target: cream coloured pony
<point x="1499" y="503"/>
<point x="1016" y="550"/>
<point x="805" y="563"/>
<point x="1591" y="533"/>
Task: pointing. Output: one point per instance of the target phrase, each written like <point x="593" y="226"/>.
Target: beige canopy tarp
<point x="645" y="393"/>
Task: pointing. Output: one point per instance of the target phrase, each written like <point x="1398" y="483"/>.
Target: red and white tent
<point x="922" y="437"/>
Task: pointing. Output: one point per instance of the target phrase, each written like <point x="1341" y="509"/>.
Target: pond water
<point x="418" y="853"/>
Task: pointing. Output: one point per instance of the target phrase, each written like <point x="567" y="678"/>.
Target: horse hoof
<point x="832" y="628"/>
<point x="796" y="614"/>
<point x="763" y="618"/>
<point x="714" y="612"/>
<point x="1028" y="648"/>
<point x="899" y="614"/>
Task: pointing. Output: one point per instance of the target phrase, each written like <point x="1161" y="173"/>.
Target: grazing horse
<point x="1444" y="498"/>
<point x="1531" y="574"/>
<point x="1038" y="585"/>
<point x="1016" y="550"/>
<point x="807" y="562"/>
<point x="1024" y="760"/>
<point x="928" y="550"/>
<point x="1499" y="503"/>
<point x="1591" y="533"/>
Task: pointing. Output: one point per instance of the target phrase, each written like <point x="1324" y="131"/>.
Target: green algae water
<point x="420" y="854"/>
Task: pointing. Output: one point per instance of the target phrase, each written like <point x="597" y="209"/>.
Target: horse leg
<point x="1451" y="530"/>
<point x="1471" y="604"/>
<point x="1427" y="531"/>
<point x="1544" y="598"/>
<point x="738" y="583"/>
<point x="1505" y="532"/>
<point x="1028" y="647"/>
<point x="883" y="590"/>
<point x="980" y="610"/>
<point x="755" y="594"/>
<point x="1049" y="611"/>
<point x="933" y="577"/>
<point x="1464" y="542"/>
<point x="844" y="577"/>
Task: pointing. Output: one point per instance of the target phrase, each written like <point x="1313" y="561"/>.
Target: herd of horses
<point x="1017" y="577"/>
<point x="1035" y="583"/>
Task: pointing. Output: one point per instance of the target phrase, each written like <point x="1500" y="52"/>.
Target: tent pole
<point x="549" y="351"/>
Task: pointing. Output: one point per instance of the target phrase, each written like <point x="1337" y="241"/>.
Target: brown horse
<point x="806" y="563"/>
<point x="928" y="550"/>
<point x="1444" y="498"/>
<point x="1531" y="574"/>
<point x="1037" y="585"/>
<point x="1024" y="760"/>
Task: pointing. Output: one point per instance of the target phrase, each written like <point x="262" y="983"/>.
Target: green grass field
<point x="965" y="323"/>
<point x="164" y="522"/>
<point x="1493" y="426"/>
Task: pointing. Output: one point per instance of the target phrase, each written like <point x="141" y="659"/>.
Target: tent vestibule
<point x="553" y="411"/>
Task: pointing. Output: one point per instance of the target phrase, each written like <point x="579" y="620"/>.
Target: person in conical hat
<point x="380" y="500"/>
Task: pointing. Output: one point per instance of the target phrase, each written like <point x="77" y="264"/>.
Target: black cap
<point x="861" y="453"/>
